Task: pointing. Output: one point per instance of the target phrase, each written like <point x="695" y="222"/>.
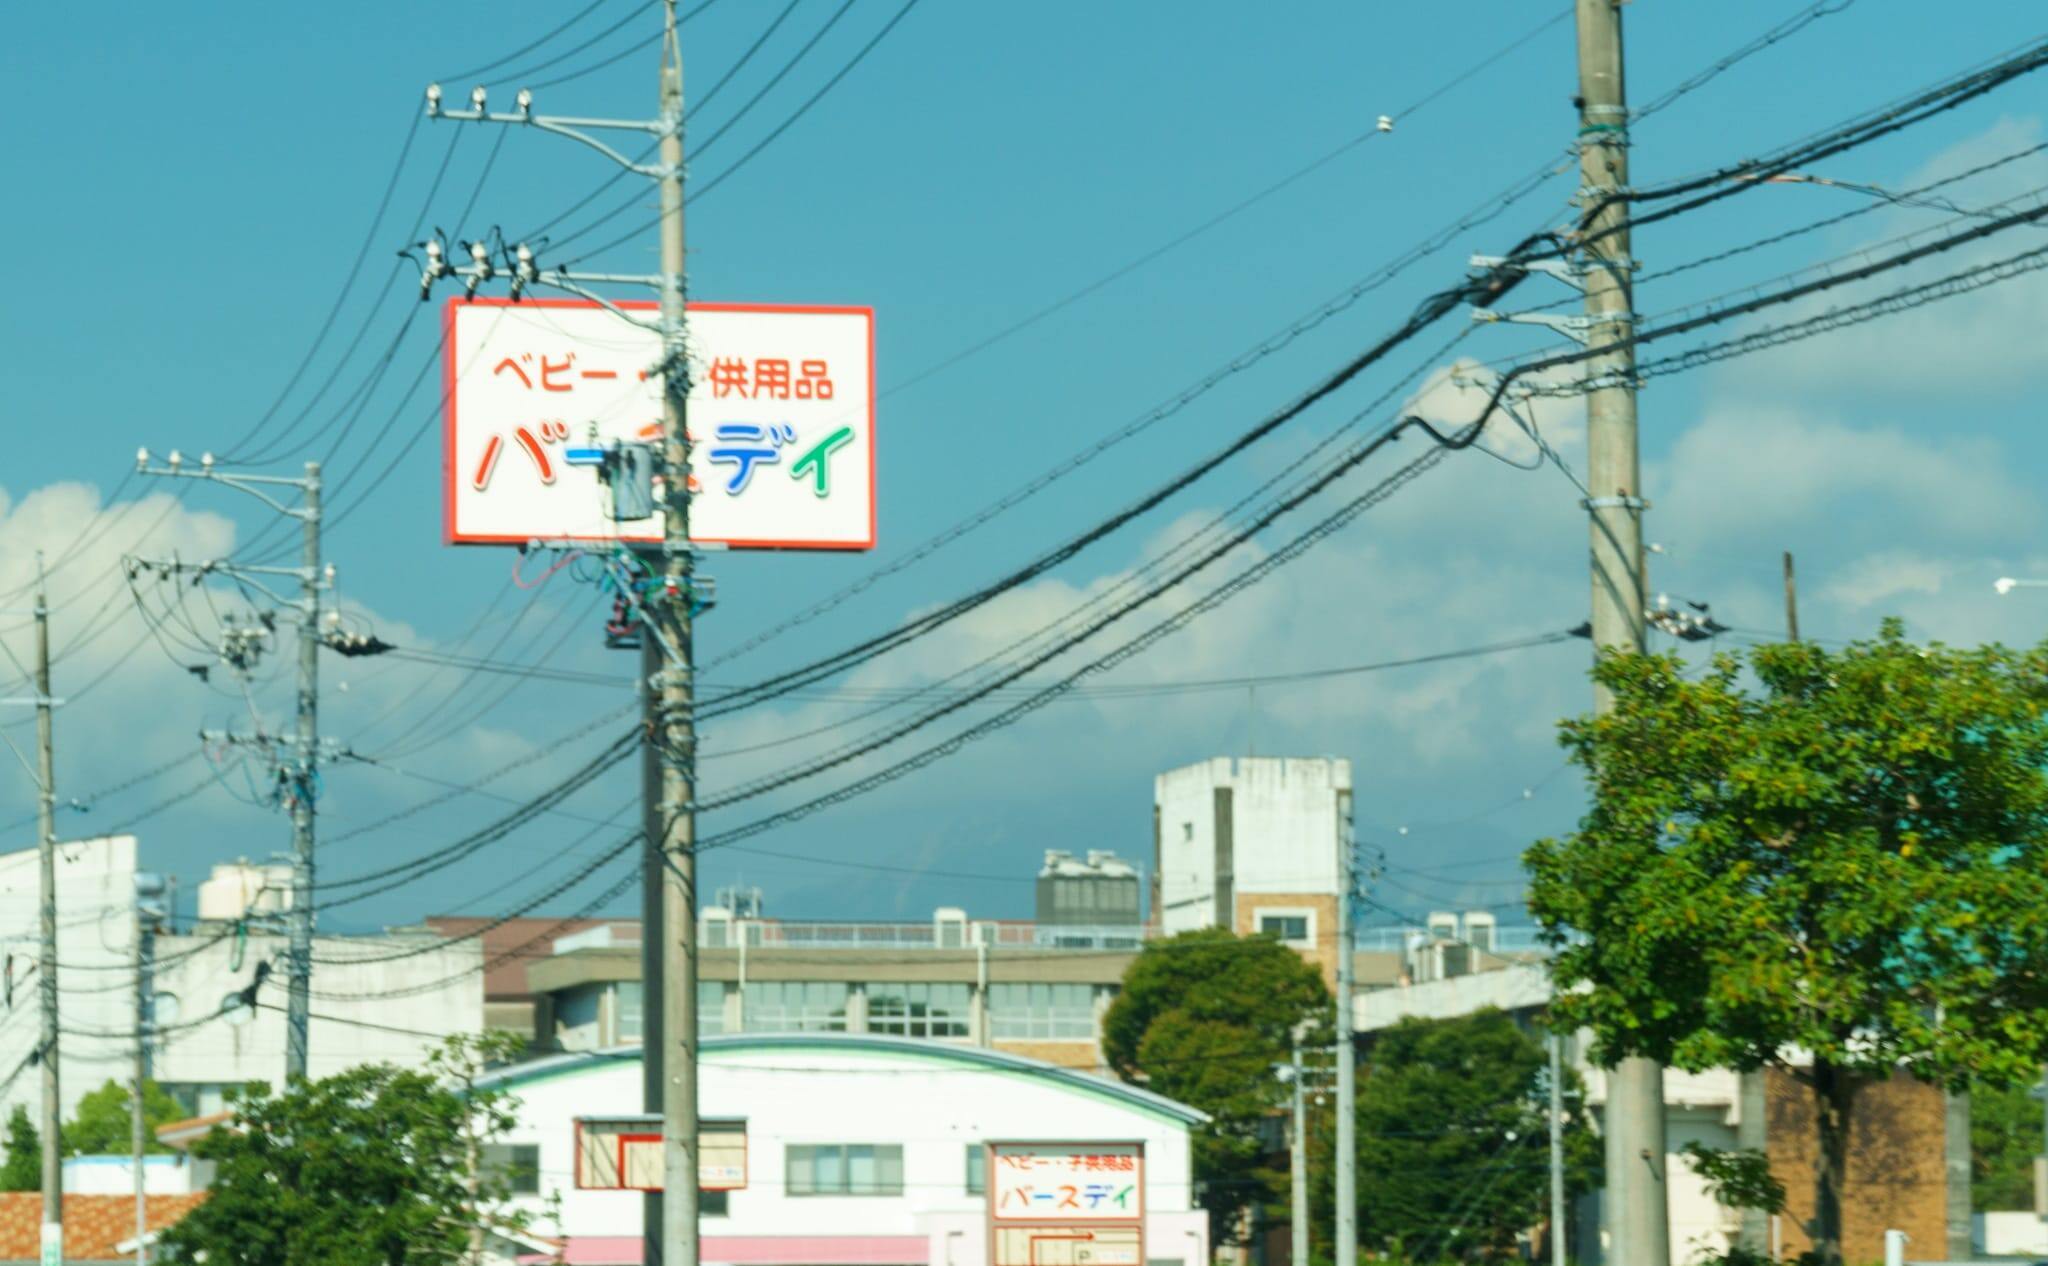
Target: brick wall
<point x="1324" y="907"/>
<point x="1897" y="1166"/>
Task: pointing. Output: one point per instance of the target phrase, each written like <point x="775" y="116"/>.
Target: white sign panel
<point x="781" y="414"/>
<point x="1066" y="1182"/>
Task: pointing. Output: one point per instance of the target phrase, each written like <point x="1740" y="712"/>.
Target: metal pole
<point x="676" y="733"/>
<point x="1791" y="600"/>
<point x="653" y="939"/>
<point x="1637" y="1214"/>
<point x="1347" y="1073"/>
<point x="305" y="759"/>
<point x="135" y="1124"/>
<point x="1556" y="1149"/>
<point x="1297" y="1164"/>
<point x="46" y="968"/>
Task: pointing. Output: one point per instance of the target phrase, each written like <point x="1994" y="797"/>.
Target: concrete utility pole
<point x="1557" y="1149"/>
<point x="653" y="934"/>
<point x="300" y="773"/>
<point x="1637" y="1212"/>
<point x="1346" y="1246"/>
<point x="1791" y="600"/>
<point x="146" y="886"/>
<point x="1297" y="1164"/>
<point x="677" y="732"/>
<point x="46" y="966"/>
<point x="300" y="981"/>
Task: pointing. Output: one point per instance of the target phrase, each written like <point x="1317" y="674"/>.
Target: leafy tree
<point x="1453" y="1138"/>
<point x="23" y="1168"/>
<point x="1204" y="1017"/>
<point x="103" y="1125"/>
<point x="2005" y="1136"/>
<point x="375" y="1164"/>
<point x="1847" y="857"/>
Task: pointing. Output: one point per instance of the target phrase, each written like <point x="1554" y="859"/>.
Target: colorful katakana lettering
<point x="744" y="445"/>
<point x="815" y="464"/>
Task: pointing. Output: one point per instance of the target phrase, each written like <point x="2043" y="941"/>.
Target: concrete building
<point x="857" y="1150"/>
<point x="387" y="998"/>
<point x="1253" y="844"/>
<point x="1009" y="986"/>
<point x="1096" y="891"/>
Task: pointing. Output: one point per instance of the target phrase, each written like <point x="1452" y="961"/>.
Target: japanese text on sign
<point x="780" y="417"/>
<point x="1067" y="1183"/>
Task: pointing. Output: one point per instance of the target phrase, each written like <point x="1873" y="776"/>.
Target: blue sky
<point x="191" y="186"/>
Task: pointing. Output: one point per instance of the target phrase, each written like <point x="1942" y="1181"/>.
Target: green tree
<point x="23" y="1168"/>
<point x="2005" y="1136"/>
<point x="1844" y="852"/>
<point x="375" y="1164"/>
<point x="1204" y="1017"/>
<point x="102" y="1126"/>
<point x="1453" y="1138"/>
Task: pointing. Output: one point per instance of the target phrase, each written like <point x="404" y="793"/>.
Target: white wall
<point x="1185" y="800"/>
<point x="2021" y="1234"/>
<point x="1287" y="819"/>
<point x="932" y="1100"/>
<point x="344" y="1032"/>
<point x="114" y="1175"/>
<point x="1288" y="824"/>
<point x="95" y="939"/>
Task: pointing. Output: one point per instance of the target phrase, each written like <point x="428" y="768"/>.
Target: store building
<point x="852" y="1150"/>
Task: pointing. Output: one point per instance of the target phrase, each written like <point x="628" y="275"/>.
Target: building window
<point x="628" y="1012"/>
<point x="918" y="1010"/>
<point x="713" y="1204"/>
<point x="1292" y="927"/>
<point x="711" y="1008"/>
<point x="516" y="1164"/>
<point x="977" y="1169"/>
<point x="844" y="1169"/>
<point x="197" y="1098"/>
<point x="796" y="1006"/>
<point x="1041" y="1011"/>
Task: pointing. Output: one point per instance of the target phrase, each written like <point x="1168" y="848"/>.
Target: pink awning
<point x="759" y="1250"/>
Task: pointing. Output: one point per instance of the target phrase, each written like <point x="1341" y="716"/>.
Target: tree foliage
<point x="103" y="1125"/>
<point x="23" y="1168"/>
<point x="1841" y="852"/>
<point x="1204" y="1017"/>
<point x="375" y="1164"/>
<point x="1453" y="1138"/>
<point x="2005" y="1136"/>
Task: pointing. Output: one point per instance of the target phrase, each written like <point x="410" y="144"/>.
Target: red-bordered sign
<point x="1066" y="1203"/>
<point x="781" y="409"/>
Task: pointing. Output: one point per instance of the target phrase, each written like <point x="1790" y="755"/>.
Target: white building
<point x="1253" y="845"/>
<point x="95" y="941"/>
<point x="860" y="1150"/>
<point x="382" y="998"/>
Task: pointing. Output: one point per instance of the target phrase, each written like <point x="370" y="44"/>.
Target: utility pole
<point x="298" y="776"/>
<point x="145" y="886"/>
<point x="46" y="968"/>
<point x="1297" y="1164"/>
<point x="676" y="734"/>
<point x="307" y="751"/>
<point x="1347" y="1071"/>
<point x="1638" y="1215"/>
<point x="1791" y="600"/>
<point x="669" y="770"/>
<point x="1557" y="1149"/>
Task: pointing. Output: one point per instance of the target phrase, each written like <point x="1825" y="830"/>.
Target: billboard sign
<point x="781" y="416"/>
<point x="1066" y="1204"/>
<point x="624" y="1154"/>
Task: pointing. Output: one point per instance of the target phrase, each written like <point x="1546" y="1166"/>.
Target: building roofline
<point x="856" y="1043"/>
